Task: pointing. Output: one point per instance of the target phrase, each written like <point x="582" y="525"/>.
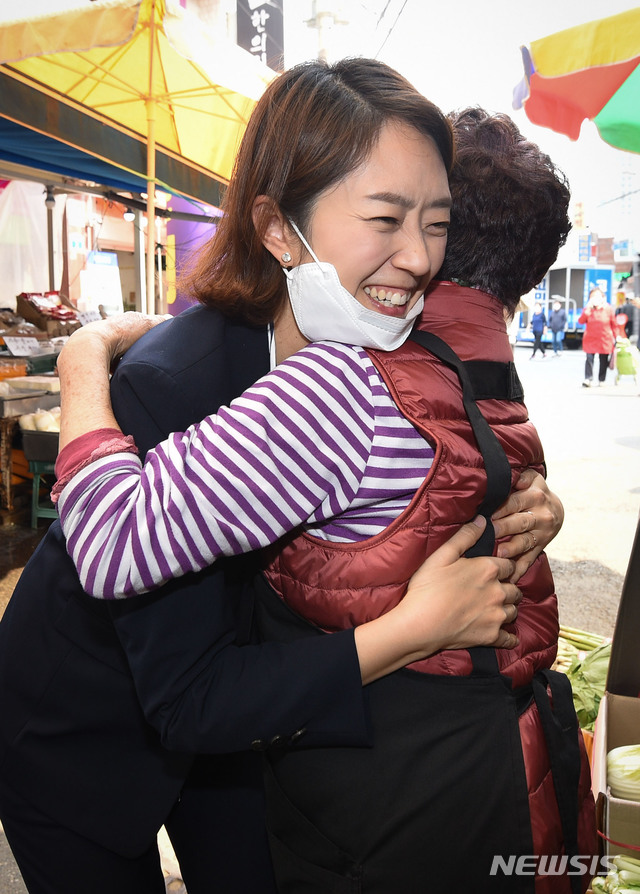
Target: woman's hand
<point x="468" y="600"/>
<point x="531" y="517"/>
<point x="451" y="603"/>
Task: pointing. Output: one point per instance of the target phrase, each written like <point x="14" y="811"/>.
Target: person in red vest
<point x="599" y="335"/>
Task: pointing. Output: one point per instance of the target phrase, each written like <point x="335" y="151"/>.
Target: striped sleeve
<point x="294" y="446"/>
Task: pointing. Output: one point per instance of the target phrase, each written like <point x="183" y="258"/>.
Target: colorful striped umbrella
<point x="586" y="72"/>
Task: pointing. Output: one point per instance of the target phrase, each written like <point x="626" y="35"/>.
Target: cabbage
<point x="623" y="772"/>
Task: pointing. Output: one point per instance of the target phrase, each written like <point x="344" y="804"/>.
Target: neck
<point x="288" y="337"/>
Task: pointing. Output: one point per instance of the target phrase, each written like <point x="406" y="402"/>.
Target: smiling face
<point x="384" y="226"/>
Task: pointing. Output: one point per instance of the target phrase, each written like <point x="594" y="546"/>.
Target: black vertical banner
<point x="261" y="31"/>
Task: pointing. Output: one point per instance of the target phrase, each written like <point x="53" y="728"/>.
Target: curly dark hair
<point x="509" y="214"/>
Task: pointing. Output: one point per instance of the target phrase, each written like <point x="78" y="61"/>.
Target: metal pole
<point x="151" y="205"/>
<point x="324" y="19"/>
<point x="50" y="203"/>
<point x="151" y="168"/>
<point x="138" y="259"/>
<point x="161" y="307"/>
<point x="52" y="277"/>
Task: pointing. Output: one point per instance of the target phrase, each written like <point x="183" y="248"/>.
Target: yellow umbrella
<point x="148" y="67"/>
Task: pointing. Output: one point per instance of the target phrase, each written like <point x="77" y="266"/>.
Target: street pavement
<point x="10" y="878"/>
<point x="592" y="439"/>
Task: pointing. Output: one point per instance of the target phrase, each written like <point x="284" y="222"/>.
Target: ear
<point x="273" y="230"/>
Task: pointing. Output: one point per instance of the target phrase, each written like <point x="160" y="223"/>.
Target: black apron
<point x="443" y="791"/>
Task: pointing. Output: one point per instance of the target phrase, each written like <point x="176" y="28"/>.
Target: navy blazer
<point x="104" y="704"/>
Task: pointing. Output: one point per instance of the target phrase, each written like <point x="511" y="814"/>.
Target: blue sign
<point x="598" y="278"/>
<point x="103" y="258"/>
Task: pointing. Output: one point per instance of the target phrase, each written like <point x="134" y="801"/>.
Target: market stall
<point x="28" y="386"/>
<point x="15" y="403"/>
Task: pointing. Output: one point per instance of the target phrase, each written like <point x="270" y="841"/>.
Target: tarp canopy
<point x="36" y="131"/>
<point x="29" y="149"/>
<point x="118" y="76"/>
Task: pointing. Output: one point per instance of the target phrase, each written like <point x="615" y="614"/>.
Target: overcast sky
<point x="467" y="52"/>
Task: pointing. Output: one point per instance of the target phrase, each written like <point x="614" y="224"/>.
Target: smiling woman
<point x="377" y="223"/>
<point x="384" y="227"/>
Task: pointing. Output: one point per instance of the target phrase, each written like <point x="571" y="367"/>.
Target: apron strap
<point x="502" y="383"/>
<point x="482" y="380"/>
<point x="495" y="460"/>
<point x="484" y="661"/>
<point x="560" y="728"/>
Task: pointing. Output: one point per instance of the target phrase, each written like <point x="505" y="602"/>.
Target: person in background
<point x="86" y="781"/>
<point x="557" y="324"/>
<point x="538" y="327"/>
<point x="599" y="336"/>
<point x="631" y="309"/>
<point x="460" y="730"/>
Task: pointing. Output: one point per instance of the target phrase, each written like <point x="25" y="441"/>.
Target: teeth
<point x="388" y="297"/>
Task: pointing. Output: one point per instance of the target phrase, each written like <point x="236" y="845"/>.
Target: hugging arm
<point x="200" y="680"/>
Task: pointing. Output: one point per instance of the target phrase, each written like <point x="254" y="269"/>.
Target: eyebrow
<point x="403" y="202"/>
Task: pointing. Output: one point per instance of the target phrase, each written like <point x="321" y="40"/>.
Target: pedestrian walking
<point x="599" y="335"/>
<point x="557" y="324"/>
<point x="538" y="327"/>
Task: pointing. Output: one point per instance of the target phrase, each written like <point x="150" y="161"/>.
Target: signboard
<point x="19" y="346"/>
<point x="261" y="31"/>
<point x="584" y="248"/>
<point x="598" y="278"/>
<point x="541" y="292"/>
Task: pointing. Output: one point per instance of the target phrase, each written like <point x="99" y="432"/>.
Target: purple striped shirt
<point x="318" y="443"/>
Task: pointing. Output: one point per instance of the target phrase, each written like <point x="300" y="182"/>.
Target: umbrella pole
<point x="151" y="206"/>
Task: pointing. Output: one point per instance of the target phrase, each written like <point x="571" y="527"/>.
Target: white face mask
<point x="326" y="311"/>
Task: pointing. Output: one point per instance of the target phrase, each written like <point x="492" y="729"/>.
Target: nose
<point x="414" y="254"/>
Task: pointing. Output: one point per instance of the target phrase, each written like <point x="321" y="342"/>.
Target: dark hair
<point x="315" y="124"/>
<point x="509" y="213"/>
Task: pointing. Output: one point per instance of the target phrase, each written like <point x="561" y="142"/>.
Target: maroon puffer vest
<point x="337" y="585"/>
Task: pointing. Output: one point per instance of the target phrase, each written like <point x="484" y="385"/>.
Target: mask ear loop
<point x="305" y="243"/>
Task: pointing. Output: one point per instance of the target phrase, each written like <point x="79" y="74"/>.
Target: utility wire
<point x="391" y="28"/>
<point x="382" y="14"/>
<point x="617" y="198"/>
